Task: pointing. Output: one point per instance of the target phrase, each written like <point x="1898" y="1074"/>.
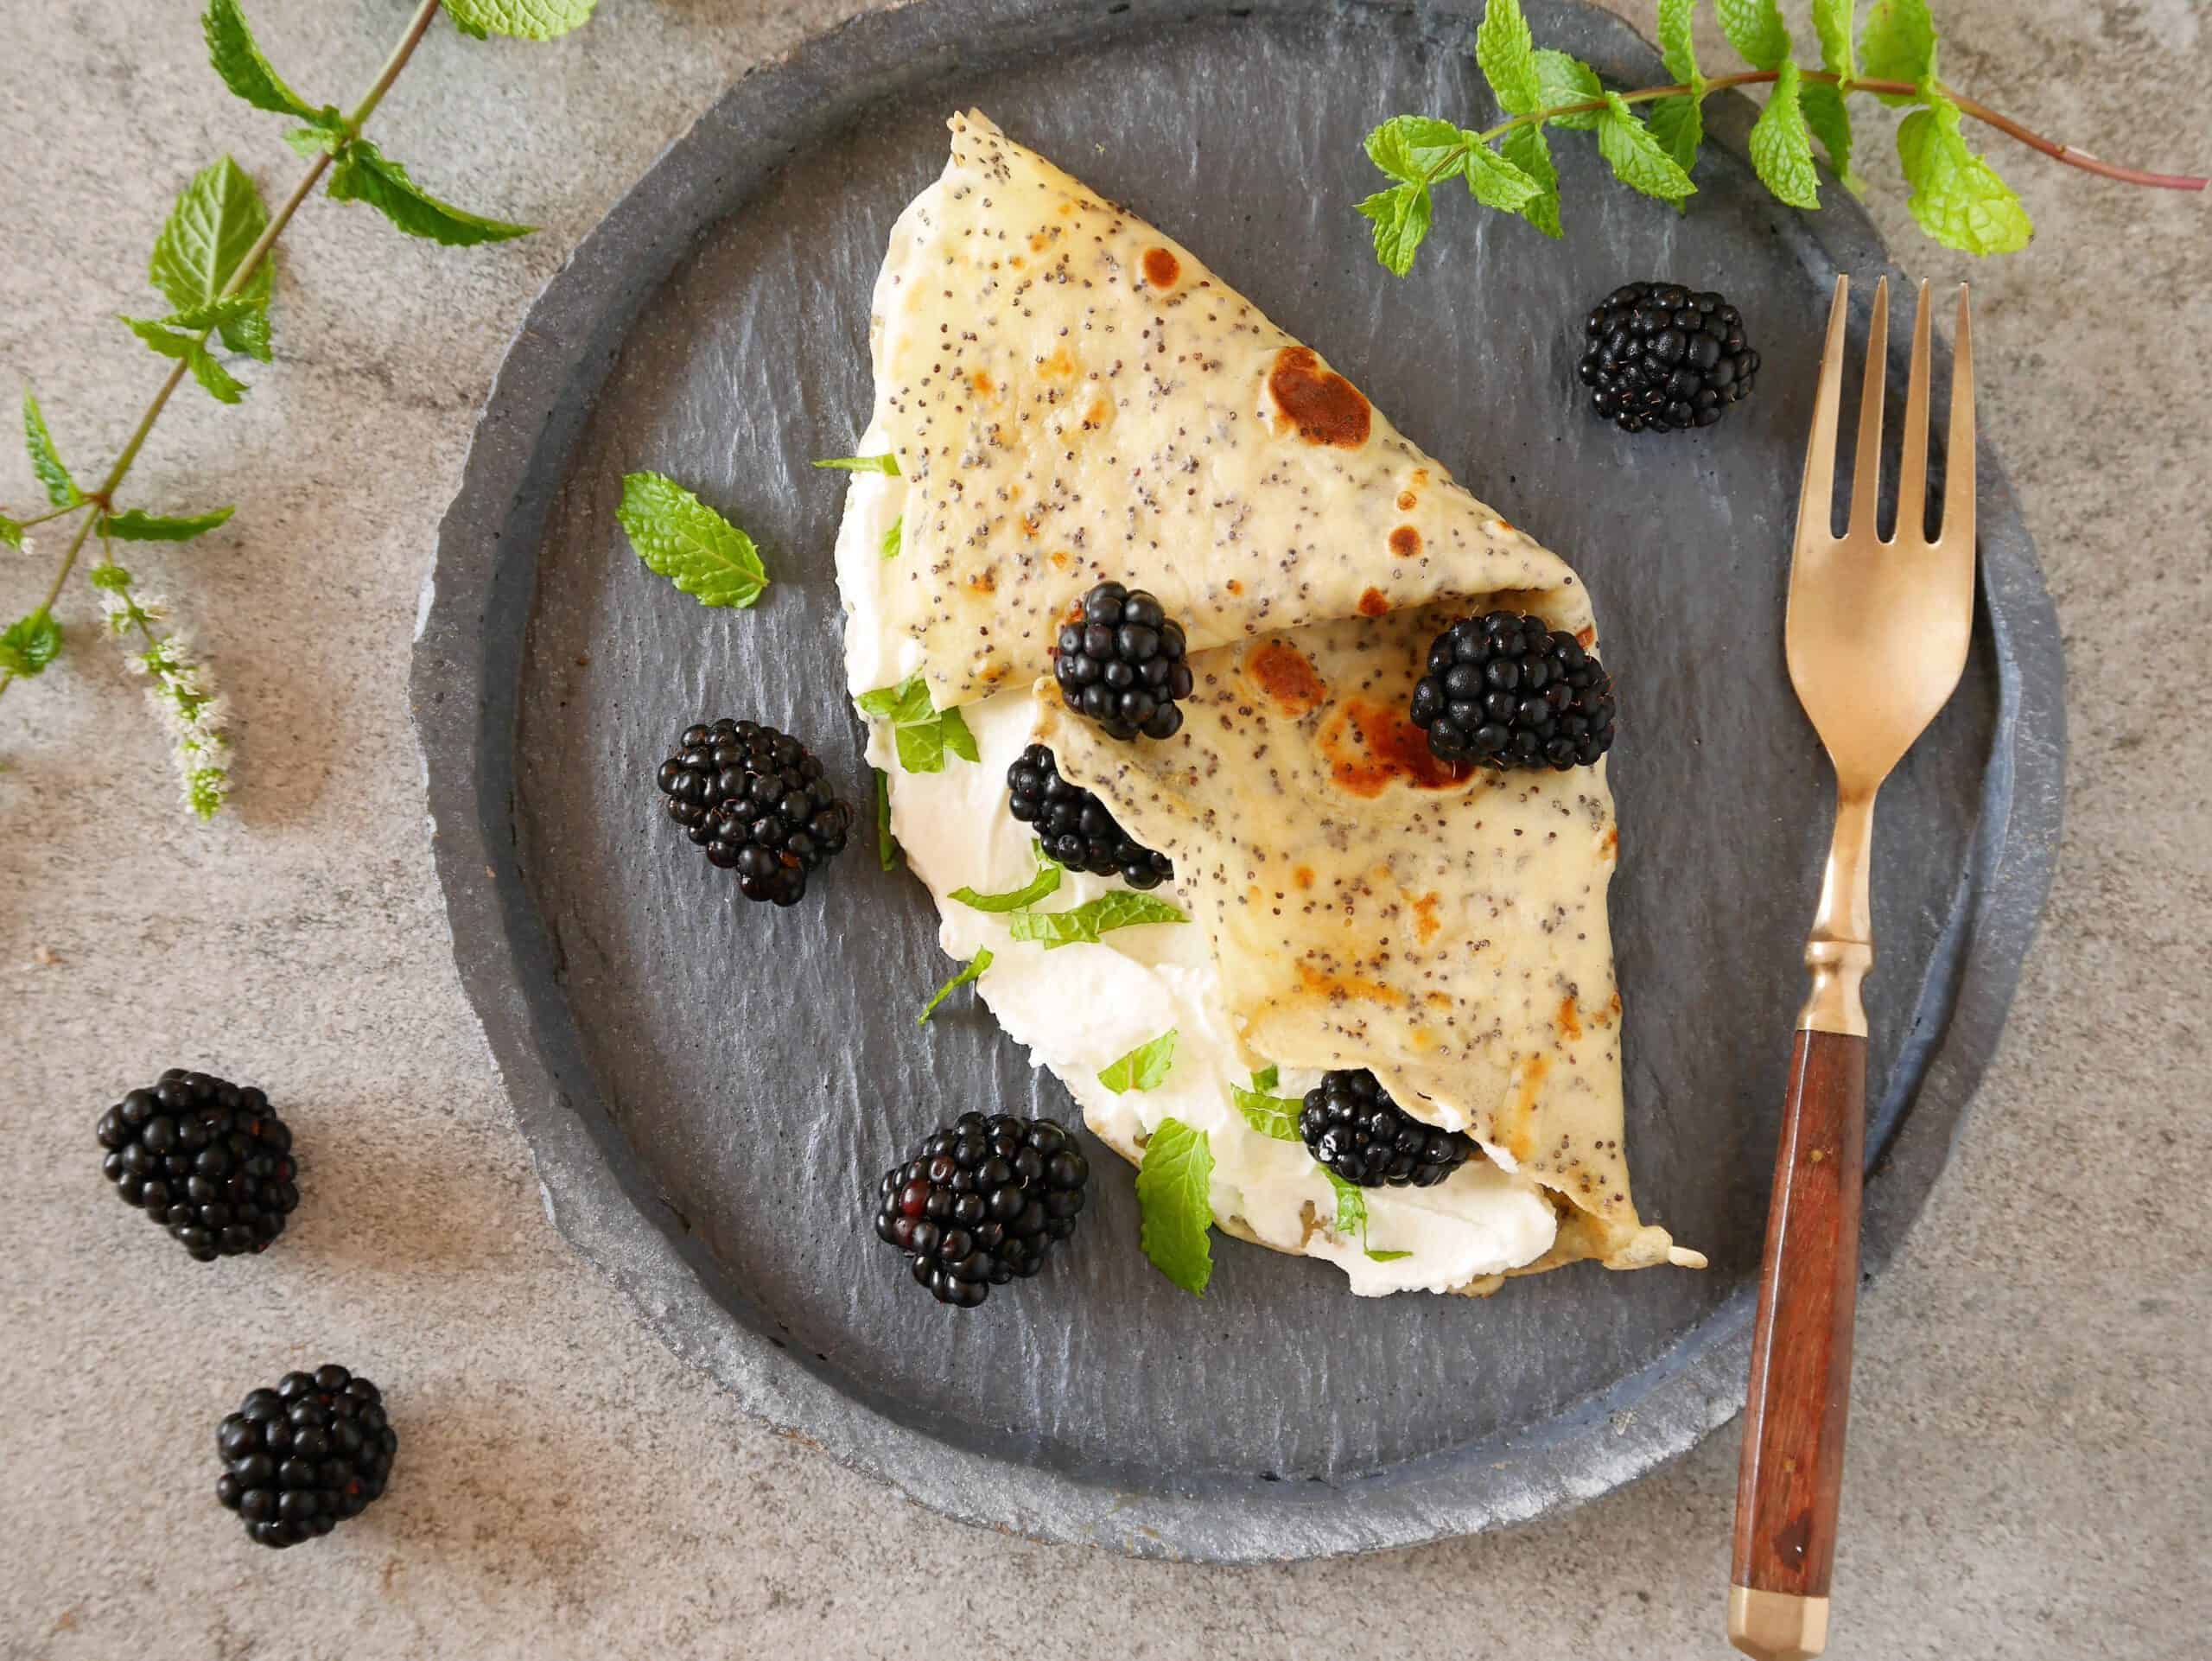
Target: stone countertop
<point x="2029" y="1441"/>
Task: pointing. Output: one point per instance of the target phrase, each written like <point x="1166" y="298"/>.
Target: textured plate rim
<point x="464" y="678"/>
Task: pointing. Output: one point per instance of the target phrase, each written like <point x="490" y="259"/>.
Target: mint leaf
<point x="528" y="20"/>
<point x="1122" y="908"/>
<point x="682" y="538"/>
<point x="1402" y="216"/>
<point x="1676" y="46"/>
<point x="1528" y="150"/>
<point x="237" y="59"/>
<point x="1634" y="155"/>
<point x="895" y="539"/>
<point x="28" y="644"/>
<point x="921" y="733"/>
<point x="217" y="219"/>
<point x="132" y="526"/>
<point x="886" y="462"/>
<point x="1569" y="81"/>
<point x="1956" y="196"/>
<point x="1174" y="1192"/>
<point x="243" y="320"/>
<point x="1755" y="28"/>
<point x="327" y="134"/>
<point x="1270" y="1115"/>
<point x="1387" y="1256"/>
<point x="1267" y="1078"/>
<point x="221" y="384"/>
<point x="887" y="847"/>
<point x="1417" y="147"/>
<point x="1143" y="1068"/>
<point x="1679" y="123"/>
<point x="1507" y="56"/>
<point x="10" y="531"/>
<point x="1827" y="120"/>
<point x="972" y="970"/>
<point x="475" y="32"/>
<point x="1351" y="1206"/>
<point x="365" y="173"/>
<point x="1782" y="148"/>
<point x="1496" y="182"/>
<point x="1046" y="881"/>
<point x="113" y="579"/>
<point x="46" y="461"/>
<point x="1832" y="22"/>
<point x="1899" y="44"/>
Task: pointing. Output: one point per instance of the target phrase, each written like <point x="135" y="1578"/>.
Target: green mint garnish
<point x="973" y="970"/>
<point x="1387" y="1256"/>
<point x="528" y="20"/>
<point x="132" y="525"/>
<point x="365" y="174"/>
<point x="1957" y="198"/>
<point x="682" y="538"/>
<point x="924" y="734"/>
<point x="1047" y="881"/>
<point x="1143" y="1068"/>
<point x="1174" y="1189"/>
<point x="30" y="643"/>
<point x="1122" y="908"/>
<point x="886" y="848"/>
<point x="895" y="538"/>
<point x="884" y="464"/>
<point x="1268" y="1114"/>
<point x="46" y="461"/>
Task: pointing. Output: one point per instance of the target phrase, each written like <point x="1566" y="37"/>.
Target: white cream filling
<point x="1079" y="1008"/>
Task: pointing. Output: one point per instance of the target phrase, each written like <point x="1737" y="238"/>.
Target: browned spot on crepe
<point x="1570" y="1024"/>
<point x="1407" y="500"/>
<point x="1366" y="988"/>
<point x="1373" y="602"/>
<point x="1286" y="675"/>
<point x="1516" y="1118"/>
<point x="1368" y="746"/>
<point x="1303" y="876"/>
<point x="1059" y="366"/>
<point x="981" y="380"/>
<point x="1161" y="268"/>
<point x="1426" y="922"/>
<point x="1319" y="404"/>
<point x="1405" y="542"/>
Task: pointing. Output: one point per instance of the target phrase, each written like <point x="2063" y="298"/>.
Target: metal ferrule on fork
<point x="1841" y="949"/>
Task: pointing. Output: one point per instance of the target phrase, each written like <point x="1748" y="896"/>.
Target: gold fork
<point x="1876" y="639"/>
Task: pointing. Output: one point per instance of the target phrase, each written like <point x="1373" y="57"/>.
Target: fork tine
<point x="1816" y="496"/>
<point x="1912" y="472"/>
<point x="1866" y="472"/>
<point x="1958" y="459"/>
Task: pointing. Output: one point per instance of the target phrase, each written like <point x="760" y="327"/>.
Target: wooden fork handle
<point x="1792" y="1468"/>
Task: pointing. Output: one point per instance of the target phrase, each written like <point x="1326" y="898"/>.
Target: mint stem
<point x="1982" y="112"/>
<point x="103" y="499"/>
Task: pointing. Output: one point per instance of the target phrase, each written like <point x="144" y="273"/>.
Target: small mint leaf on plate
<point x="1174" y="1192"/>
<point x="1122" y="908"/>
<point x="1782" y="146"/>
<point x="680" y="537"/>
<point x="971" y="970"/>
<point x="1046" y="881"/>
<point x="886" y="462"/>
<point x="1143" y="1068"/>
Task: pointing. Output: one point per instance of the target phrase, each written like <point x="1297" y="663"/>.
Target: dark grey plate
<point x="710" y="1088"/>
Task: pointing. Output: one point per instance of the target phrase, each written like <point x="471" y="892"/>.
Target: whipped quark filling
<point x="1079" y="1008"/>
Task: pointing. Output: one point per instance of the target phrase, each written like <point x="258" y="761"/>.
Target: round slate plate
<point x="710" y="1088"/>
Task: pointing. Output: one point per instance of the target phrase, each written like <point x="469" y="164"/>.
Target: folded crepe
<point x="1073" y="396"/>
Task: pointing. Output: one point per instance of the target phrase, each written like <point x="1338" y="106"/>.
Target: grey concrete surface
<point x="2030" y="1447"/>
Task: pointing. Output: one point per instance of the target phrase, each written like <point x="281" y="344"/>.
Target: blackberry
<point x="1663" y="358"/>
<point x="1120" y="662"/>
<point x="981" y="1202"/>
<point x="1508" y="691"/>
<point x="755" y="799"/>
<point x="205" y="1159"/>
<point x="1350" y="1124"/>
<point x="1074" y="826"/>
<point x="301" y="1459"/>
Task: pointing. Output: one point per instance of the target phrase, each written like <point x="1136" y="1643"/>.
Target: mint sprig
<point x="1174" y="1193"/>
<point x="971" y="971"/>
<point x="1046" y="881"/>
<point x="886" y="846"/>
<point x="886" y="463"/>
<point x="1145" y="1067"/>
<point x="680" y="537"/>
<point x="1084" y="924"/>
<point x="923" y="733"/>
<point x="1273" y="1117"/>
<point x="895" y="538"/>
<point x="1958" y="198"/>
<point x="212" y="263"/>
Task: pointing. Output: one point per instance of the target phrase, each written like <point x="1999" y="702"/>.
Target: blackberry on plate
<point x="1508" y="691"/>
<point x="1120" y="662"/>
<point x="981" y="1202"/>
<point x="755" y="799"/>
<point x="1074" y="826"/>
<point x="1663" y="358"/>
<point x="1350" y="1124"/>
<point x="301" y="1458"/>
<point x="209" y="1162"/>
